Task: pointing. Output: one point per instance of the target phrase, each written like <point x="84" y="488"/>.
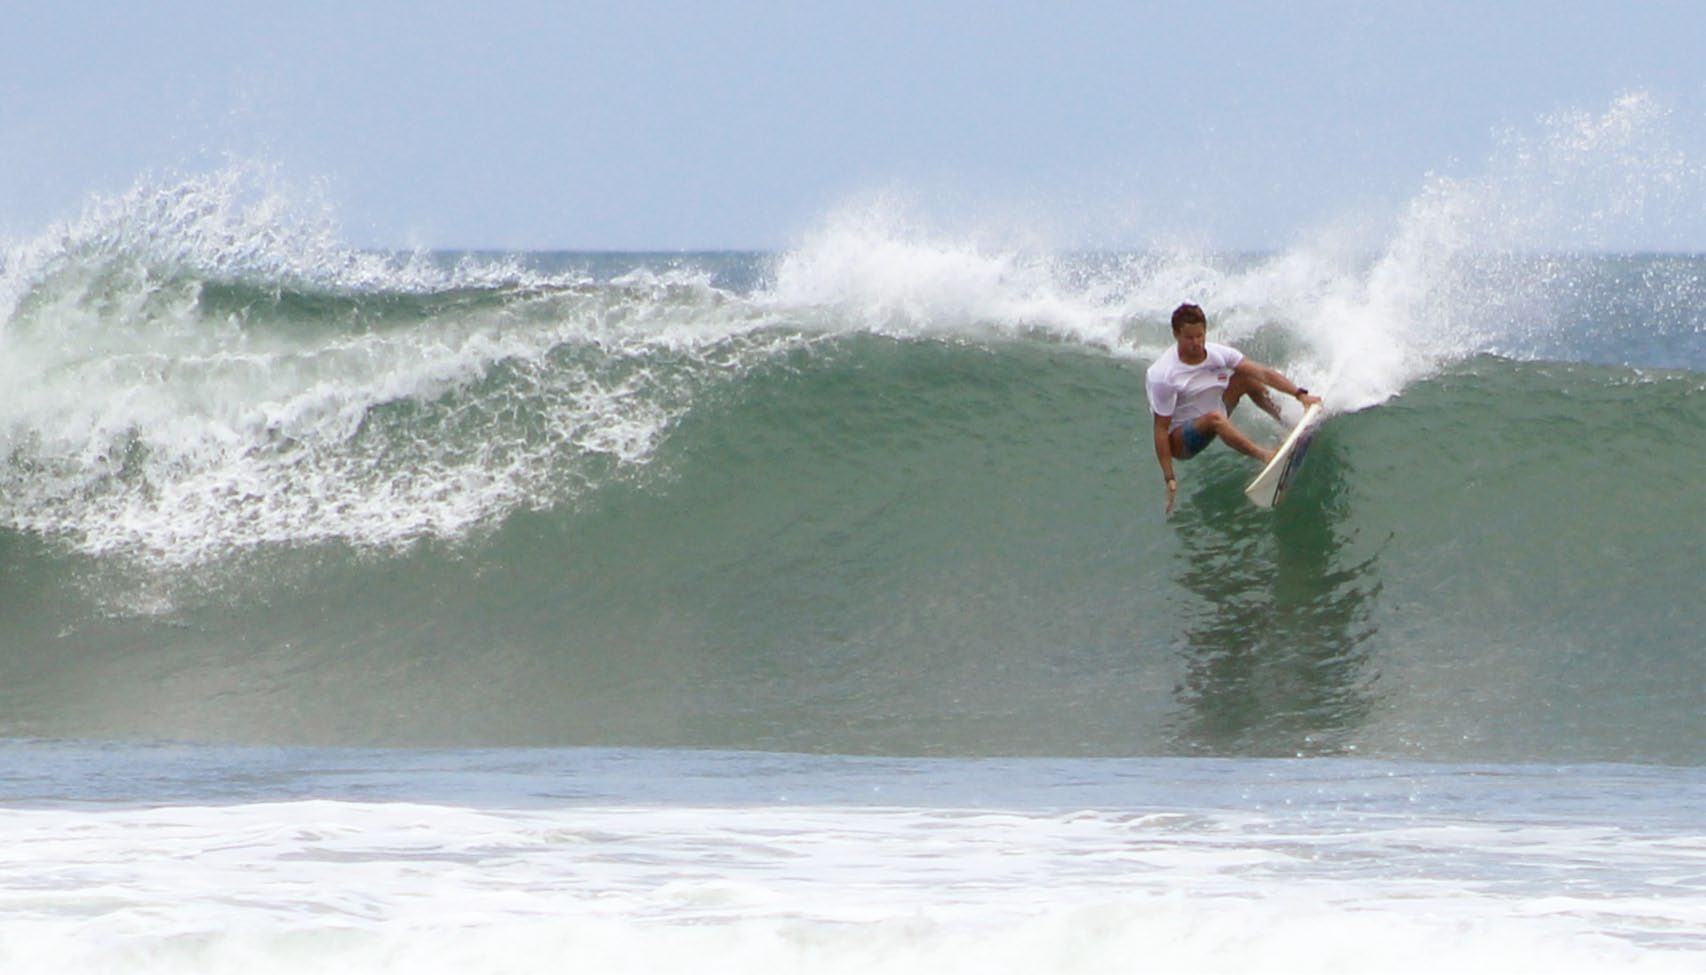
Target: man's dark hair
<point x="1188" y="314"/>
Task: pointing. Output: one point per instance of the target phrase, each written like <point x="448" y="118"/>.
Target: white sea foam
<point x="353" y="886"/>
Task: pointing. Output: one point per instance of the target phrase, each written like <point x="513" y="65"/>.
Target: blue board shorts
<point x="1195" y="440"/>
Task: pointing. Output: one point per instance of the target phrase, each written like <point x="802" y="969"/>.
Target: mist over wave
<point x="1489" y="262"/>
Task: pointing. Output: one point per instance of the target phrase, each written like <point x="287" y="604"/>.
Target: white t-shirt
<point x="1186" y="392"/>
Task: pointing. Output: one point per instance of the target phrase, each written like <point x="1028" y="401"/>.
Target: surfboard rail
<point x="1269" y="487"/>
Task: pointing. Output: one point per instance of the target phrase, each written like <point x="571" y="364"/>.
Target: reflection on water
<point x="1277" y="621"/>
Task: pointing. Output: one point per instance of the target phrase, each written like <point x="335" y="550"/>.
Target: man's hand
<point x="1172" y="492"/>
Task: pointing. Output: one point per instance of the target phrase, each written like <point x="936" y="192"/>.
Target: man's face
<point x="1193" y="342"/>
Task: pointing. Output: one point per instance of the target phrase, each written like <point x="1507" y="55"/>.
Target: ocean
<point x="815" y="609"/>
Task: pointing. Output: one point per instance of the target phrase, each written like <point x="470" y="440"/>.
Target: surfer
<point x="1194" y="387"/>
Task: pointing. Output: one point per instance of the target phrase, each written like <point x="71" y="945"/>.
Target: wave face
<point x="884" y="492"/>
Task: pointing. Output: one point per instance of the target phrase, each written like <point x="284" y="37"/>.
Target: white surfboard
<point x="1269" y="487"/>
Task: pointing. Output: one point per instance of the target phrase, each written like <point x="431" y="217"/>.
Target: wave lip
<point x="190" y="372"/>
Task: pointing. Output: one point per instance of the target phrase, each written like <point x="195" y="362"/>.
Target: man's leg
<point x="1219" y="425"/>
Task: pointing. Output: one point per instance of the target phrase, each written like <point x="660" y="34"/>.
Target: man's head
<point x="1190" y="330"/>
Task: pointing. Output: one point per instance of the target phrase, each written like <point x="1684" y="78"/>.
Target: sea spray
<point x="1471" y="264"/>
<point x="1482" y="263"/>
<point x="872" y="267"/>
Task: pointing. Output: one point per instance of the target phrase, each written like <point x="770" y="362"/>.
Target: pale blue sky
<point x="637" y="125"/>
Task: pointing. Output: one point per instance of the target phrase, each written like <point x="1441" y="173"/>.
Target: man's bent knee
<point x="1189" y="439"/>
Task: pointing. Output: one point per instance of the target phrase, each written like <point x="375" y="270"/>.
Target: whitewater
<point x="816" y="610"/>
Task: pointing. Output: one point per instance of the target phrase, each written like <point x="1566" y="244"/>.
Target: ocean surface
<point x="815" y="610"/>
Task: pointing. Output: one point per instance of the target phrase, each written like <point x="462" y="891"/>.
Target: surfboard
<point x="1269" y="487"/>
